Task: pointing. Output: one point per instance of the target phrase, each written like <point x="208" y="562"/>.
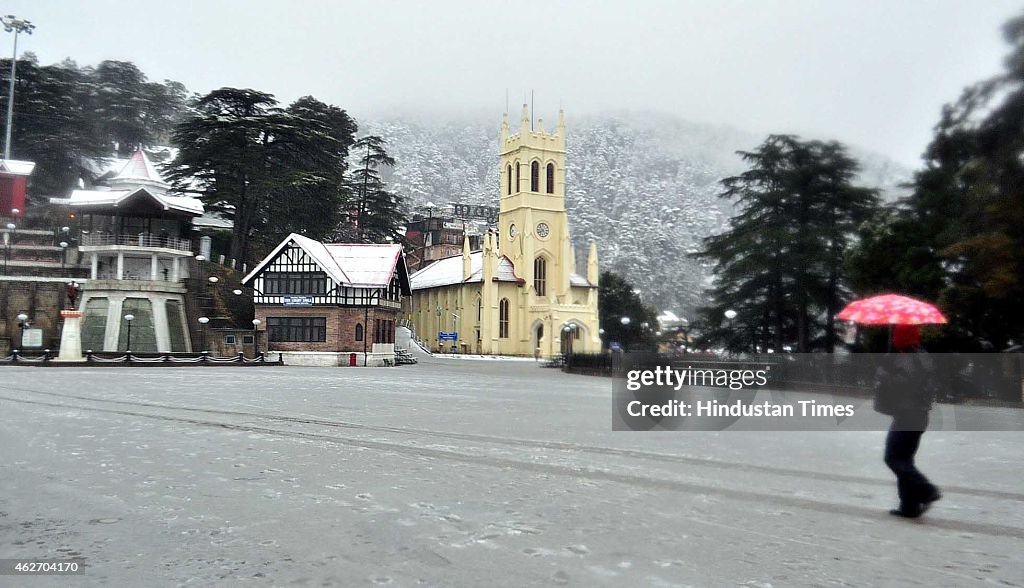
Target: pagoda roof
<point x="99" y="199"/>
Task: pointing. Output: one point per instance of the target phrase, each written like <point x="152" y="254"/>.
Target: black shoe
<point x="934" y="496"/>
<point x="908" y="512"/>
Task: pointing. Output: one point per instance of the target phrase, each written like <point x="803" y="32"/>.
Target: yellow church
<point x="521" y="294"/>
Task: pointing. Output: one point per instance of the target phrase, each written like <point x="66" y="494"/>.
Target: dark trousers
<point x="900" y="447"/>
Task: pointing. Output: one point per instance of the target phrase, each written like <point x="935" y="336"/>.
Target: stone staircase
<point x="34" y="269"/>
<point x="36" y="253"/>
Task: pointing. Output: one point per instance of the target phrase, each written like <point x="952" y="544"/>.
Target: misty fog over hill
<point x="644" y="185"/>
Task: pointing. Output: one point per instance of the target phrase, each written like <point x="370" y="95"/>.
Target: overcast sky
<point x="870" y="73"/>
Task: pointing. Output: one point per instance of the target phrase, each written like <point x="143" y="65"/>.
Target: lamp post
<point x="63" y="254"/>
<point x="455" y="320"/>
<point x="17" y="26"/>
<point x="203" y="321"/>
<point x="684" y="326"/>
<point x="202" y="277"/>
<point x="22" y="325"/>
<point x="256" y="338"/>
<point x="8" y="242"/>
<point x="128" y="344"/>
<point x="730" y="314"/>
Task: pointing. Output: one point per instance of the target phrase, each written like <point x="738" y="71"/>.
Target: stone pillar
<point x="205" y="246"/>
<point x="95" y="269"/>
<point x="152" y="267"/>
<point x="71" y="336"/>
<point x="175" y="269"/>
<point x="120" y="265"/>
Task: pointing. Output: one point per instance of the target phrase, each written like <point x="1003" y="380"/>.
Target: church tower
<point x="531" y="218"/>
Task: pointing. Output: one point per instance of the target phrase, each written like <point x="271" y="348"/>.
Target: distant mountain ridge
<point x="644" y="185"/>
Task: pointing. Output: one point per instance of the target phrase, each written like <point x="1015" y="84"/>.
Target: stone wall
<point x="42" y="301"/>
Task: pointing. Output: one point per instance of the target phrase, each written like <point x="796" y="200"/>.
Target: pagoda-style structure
<point x="137" y="240"/>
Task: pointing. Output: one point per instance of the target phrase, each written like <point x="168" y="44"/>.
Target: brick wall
<point x="341" y="326"/>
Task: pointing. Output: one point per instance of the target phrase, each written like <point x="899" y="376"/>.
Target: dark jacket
<point x="905" y="384"/>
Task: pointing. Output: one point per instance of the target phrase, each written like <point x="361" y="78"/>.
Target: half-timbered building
<point x="330" y="303"/>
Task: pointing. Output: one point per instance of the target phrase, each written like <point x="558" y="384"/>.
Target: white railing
<point x="136" y="240"/>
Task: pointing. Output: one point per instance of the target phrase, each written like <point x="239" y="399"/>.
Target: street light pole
<point x="17" y="25"/>
<point x="256" y="338"/>
<point x="128" y="344"/>
<point x="22" y="324"/>
<point x="729" y="315"/>
<point x="203" y="321"/>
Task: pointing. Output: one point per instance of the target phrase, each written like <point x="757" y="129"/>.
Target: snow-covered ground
<point x="469" y="473"/>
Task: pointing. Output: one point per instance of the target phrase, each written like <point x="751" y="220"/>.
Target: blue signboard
<point x="445" y="336"/>
<point x="298" y="300"/>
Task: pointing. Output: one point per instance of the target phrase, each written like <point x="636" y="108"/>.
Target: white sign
<point x="32" y="338"/>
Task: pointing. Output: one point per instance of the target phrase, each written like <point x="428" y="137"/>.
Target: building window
<point x="503" y="318"/>
<point x="297" y="329"/>
<point x="248" y="339"/>
<point x="551" y="179"/>
<point x="518" y="174"/>
<point x="294" y="283"/>
<point x="535" y="177"/>
<point x="509" y="173"/>
<point x="359" y="332"/>
<point x="479" y="310"/>
<point x="230" y="339"/>
<point x="540" y="276"/>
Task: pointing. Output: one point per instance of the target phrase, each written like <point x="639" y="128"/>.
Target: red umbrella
<point x="891" y="309"/>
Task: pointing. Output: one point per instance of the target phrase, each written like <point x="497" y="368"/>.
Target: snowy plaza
<point x="466" y="473"/>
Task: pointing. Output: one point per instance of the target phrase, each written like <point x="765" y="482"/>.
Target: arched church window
<point x="503" y="309"/>
<point x="540" y="276"/>
<point x="518" y="174"/>
<point x="508" y="172"/>
<point x="551" y="179"/>
<point x="535" y="177"/>
<point x="359" y="332"/>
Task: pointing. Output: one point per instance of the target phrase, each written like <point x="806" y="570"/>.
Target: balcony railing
<point x="136" y="240"/>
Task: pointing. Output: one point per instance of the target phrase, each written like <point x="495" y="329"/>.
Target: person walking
<point x="905" y="389"/>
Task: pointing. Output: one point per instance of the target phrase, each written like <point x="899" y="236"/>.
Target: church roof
<point x="352" y="264"/>
<point x="448" y="271"/>
<point x="578" y="280"/>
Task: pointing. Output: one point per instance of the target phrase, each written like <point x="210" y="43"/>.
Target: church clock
<point x="512" y="231"/>
<point x="543" y="230"/>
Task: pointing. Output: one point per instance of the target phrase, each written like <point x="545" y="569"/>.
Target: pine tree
<point x="781" y="262"/>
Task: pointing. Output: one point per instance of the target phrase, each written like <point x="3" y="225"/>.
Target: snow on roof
<point x="18" y="168"/>
<point x="578" y="280"/>
<point x="139" y="167"/>
<point x="212" y="220"/>
<point x="448" y="271"/>
<point x="352" y="264"/>
<point x="91" y="198"/>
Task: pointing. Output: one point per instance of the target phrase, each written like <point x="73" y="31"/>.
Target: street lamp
<point x="729" y="315"/>
<point x="203" y="321"/>
<point x="256" y="338"/>
<point x="22" y="324"/>
<point x="213" y="279"/>
<point x="63" y="254"/>
<point x="237" y="291"/>
<point x="128" y="344"/>
<point x="7" y="245"/>
<point x="624" y="320"/>
<point x="17" y="25"/>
